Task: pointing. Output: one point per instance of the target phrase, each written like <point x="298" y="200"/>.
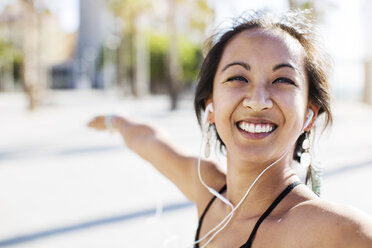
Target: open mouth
<point x="256" y="128"/>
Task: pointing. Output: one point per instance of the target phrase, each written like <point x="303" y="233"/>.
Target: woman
<point x="265" y="83"/>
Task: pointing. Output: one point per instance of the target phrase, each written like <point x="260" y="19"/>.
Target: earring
<point x="207" y="148"/>
<point x="315" y="180"/>
<point x="313" y="174"/>
<point x="305" y="159"/>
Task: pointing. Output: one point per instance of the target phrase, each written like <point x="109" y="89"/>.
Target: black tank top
<point x="248" y="244"/>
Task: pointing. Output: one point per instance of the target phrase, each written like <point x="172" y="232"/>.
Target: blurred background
<point x="63" y="62"/>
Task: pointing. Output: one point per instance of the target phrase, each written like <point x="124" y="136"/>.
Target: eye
<point x="237" y="78"/>
<point x="285" y="81"/>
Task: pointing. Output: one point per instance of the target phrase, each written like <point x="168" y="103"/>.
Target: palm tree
<point x="199" y="18"/>
<point x="129" y="11"/>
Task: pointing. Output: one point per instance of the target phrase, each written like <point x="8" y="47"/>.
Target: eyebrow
<point x="277" y="67"/>
<point x="248" y="67"/>
<point x="242" y="64"/>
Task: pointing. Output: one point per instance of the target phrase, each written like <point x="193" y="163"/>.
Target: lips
<point x="256" y="127"/>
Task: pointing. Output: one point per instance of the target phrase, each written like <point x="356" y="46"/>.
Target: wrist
<point x="115" y="121"/>
<point x="111" y="122"/>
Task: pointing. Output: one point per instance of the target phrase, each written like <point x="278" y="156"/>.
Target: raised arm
<point x="155" y="147"/>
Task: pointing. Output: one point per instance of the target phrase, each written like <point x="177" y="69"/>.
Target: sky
<point x="67" y="12"/>
<point x="231" y="8"/>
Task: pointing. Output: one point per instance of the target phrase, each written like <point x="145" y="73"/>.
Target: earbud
<point x="208" y="109"/>
<point x="218" y="228"/>
<point x="309" y="117"/>
<point x="205" y="123"/>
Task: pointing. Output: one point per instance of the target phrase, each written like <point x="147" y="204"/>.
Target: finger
<point x="94" y="123"/>
<point x="91" y="122"/>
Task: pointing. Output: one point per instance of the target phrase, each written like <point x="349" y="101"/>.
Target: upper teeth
<point x="256" y="128"/>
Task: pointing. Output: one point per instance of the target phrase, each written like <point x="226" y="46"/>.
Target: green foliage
<point x="305" y="5"/>
<point x="158" y="53"/>
<point x="127" y="9"/>
<point x="201" y="16"/>
<point x="9" y="53"/>
<point x="190" y="57"/>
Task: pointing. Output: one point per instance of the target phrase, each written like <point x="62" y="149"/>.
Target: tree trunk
<point x="367" y="98"/>
<point x="141" y="68"/>
<point x="292" y="4"/>
<point x="130" y="62"/>
<point x="173" y="57"/>
<point x="367" y="38"/>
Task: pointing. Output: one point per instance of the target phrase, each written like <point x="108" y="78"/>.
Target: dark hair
<point x="294" y="23"/>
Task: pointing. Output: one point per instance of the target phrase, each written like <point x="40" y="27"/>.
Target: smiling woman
<point x="262" y="86"/>
<point x="294" y="34"/>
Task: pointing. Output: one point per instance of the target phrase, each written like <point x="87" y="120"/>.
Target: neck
<point x="241" y="175"/>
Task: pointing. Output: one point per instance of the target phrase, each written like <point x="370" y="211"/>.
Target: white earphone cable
<point x="228" y="217"/>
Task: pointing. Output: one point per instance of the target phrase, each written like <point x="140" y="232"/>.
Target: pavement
<point x="64" y="185"/>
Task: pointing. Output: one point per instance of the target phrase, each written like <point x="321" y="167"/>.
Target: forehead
<point x="270" y="45"/>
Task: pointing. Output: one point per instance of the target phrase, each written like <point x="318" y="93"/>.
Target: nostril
<point x="257" y="103"/>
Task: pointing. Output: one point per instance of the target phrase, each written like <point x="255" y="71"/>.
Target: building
<point x="96" y="25"/>
<point x="38" y="35"/>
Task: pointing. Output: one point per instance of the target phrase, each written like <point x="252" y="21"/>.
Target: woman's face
<point x="260" y="95"/>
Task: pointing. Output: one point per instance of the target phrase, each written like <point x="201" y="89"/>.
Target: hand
<point x="99" y="122"/>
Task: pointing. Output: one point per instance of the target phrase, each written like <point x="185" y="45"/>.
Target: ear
<point x="315" y="109"/>
<point x="211" y="113"/>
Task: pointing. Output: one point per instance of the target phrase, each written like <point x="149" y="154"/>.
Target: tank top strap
<point x="223" y="189"/>
<point x="275" y="203"/>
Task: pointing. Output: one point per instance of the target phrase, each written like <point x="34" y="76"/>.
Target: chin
<point x="250" y="155"/>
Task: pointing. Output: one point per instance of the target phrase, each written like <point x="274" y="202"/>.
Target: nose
<point x="257" y="99"/>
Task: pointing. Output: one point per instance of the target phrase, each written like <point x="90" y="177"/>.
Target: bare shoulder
<point x="327" y="224"/>
<point x="212" y="176"/>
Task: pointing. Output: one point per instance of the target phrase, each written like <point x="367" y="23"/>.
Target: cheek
<point x="293" y="102"/>
<point x="227" y="93"/>
<point x="225" y="100"/>
<point x="290" y="98"/>
<point x="293" y="107"/>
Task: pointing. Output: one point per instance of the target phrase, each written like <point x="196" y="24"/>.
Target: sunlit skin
<point x="271" y="86"/>
<point x="260" y="79"/>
